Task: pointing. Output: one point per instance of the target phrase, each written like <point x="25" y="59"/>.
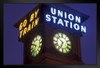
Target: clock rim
<point x="31" y="45"/>
<point x="30" y="42"/>
<point x="67" y="34"/>
<point x="69" y="40"/>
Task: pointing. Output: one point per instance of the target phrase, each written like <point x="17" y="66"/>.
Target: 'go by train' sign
<point x="28" y="22"/>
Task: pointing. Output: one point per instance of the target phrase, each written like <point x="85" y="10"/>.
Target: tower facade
<point x="51" y="35"/>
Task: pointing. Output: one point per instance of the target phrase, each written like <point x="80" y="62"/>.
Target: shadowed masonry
<point x="65" y="19"/>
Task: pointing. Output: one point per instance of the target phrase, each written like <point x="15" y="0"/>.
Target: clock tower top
<point x="51" y="34"/>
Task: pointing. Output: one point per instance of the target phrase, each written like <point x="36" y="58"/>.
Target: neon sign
<point x="65" y="19"/>
<point x="27" y="25"/>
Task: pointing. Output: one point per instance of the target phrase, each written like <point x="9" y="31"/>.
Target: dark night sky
<point x="13" y="50"/>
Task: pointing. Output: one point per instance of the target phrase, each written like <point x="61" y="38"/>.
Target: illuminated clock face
<point x="62" y="42"/>
<point x="36" y="45"/>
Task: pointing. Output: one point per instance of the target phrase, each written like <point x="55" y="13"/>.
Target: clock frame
<point x="36" y="45"/>
<point x="62" y="42"/>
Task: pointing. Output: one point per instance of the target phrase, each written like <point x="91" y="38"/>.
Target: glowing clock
<point x="62" y="42"/>
<point x="36" y="45"/>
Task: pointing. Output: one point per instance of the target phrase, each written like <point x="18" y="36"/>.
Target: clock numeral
<point x="59" y="34"/>
<point x="69" y="47"/>
<point x="31" y="46"/>
<point x="40" y="40"/>
<point x="31" y="50"/>
<point x="37" y="52"/>
<point x="55" y="43"/>
<point x="38" y="37"/>
<point x="68" y="42"/>
<point x="60" y="49"/>
<point x="34" y="53"/>
<point x="34" y="39"/>
<point x="38" y="49"/>
<point x="57" y="47"/>
<point x="64" y="50"/>
<point x="33" y="42"/>
<point x="64" y="36"/>
<point x="54" y="38"/>
<point x="67" y="38"/>
<point x="40" y="44"/>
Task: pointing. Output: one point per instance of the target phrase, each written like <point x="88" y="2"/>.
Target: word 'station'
<point x="25" y="26"/>
<point x="65" y="19"/>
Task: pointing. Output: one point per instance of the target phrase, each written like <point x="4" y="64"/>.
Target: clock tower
<point x="51" y="35"/>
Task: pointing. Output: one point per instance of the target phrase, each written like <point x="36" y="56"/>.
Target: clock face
<point x="36" y="45"/>
<point x="62" y="42"/>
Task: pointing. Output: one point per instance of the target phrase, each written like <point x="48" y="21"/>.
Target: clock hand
<point x="59" y="42"/>
<point x="62" y="42"/>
